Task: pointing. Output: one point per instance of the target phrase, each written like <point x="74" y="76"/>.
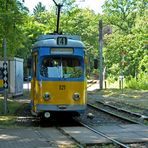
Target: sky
<point x="91" y="4"/>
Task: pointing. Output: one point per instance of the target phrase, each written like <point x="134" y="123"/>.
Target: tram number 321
<point x="62" y="87"/>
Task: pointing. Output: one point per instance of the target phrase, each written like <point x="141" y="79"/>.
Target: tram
<point x="58" y="82"/>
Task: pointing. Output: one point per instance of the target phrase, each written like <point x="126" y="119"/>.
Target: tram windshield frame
<point x="61" y="67"/>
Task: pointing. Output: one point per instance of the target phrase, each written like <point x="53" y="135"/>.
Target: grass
<point x="8" y="120"/>
<point x="127" y="93"/>
<point x="141" y="83"/>
<point x="11" y="104"/>
<point x="134" y="97"/>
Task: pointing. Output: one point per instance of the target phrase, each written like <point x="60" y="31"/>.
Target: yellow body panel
<point x="61" y="92"/>
<point x="1" y="83"/>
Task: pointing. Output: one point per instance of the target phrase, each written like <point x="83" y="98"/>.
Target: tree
<point x="68" y="5"/>
<point x="39" y="8"/>
<point x="140" y="31"/>
<point x="129" y="22"/>
<point x="122" y="13"/>
<point x="11" y="18"/>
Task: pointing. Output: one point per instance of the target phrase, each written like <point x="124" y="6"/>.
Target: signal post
<point x="5" y="77"/>
<point x="122" y="63"/>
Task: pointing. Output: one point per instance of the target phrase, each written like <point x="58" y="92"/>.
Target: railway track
<point x="76" y="141"/>
<point x="136" y="117"/>
<point x="112" y="114"/>
<point x="80" y="128"/>
<point x="138" y="109"/>
<point x="116" y="142"/>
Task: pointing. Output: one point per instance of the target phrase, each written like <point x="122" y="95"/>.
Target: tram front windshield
<point x="61" y="67"/>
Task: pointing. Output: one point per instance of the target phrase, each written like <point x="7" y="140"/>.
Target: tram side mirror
<point x="29" y="62"/>
<point x="95" y="63"/>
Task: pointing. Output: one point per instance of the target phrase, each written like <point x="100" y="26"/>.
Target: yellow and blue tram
<point x="58" y="76"/>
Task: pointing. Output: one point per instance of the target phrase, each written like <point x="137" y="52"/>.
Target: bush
<point x="140" y="83"/>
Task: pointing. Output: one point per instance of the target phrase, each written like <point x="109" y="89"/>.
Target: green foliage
<point x="122" y="13"/>
<point x="39" y="8"/>
<point x="140" y="83"/>
<point x="130" y="38"/>
<point x="135" y="54"/>
<point x="13" y="106"/>
<point x="126" y="20"/>
<point x="68" y="5"/>
<point x="12" y="16"/>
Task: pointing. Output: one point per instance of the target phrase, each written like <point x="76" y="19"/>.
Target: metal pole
<point x="122" y="80"/>
<point x="55" y="2"/>
<point x="100" y="51"/>
<point x="5" y="90"/>
<point x="58" y="17"/>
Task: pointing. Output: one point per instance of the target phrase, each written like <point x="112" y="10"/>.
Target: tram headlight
<point x="47" y="96"/>
<point x="76" y="96"/>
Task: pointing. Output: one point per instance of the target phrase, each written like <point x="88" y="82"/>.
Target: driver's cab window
<point x="61" y="67"/>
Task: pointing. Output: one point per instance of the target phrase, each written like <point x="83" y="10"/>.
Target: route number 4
<point x="61" y="41"/>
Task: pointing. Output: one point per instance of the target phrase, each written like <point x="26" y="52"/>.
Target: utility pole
<point x="100" y="51"/>
<point x="5" y="69"/>
<point x="59" y="6"/>
<point x="5" y="77"/>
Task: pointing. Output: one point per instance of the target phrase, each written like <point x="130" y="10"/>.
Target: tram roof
<point x="51" y="41"/>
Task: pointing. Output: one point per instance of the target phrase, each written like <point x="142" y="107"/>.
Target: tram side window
<point x="61" y="68"/>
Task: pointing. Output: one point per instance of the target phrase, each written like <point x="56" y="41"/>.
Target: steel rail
<point x="140" y="116"/>
<point x="103" y="135"/>
<point x="140" y="108"/>
<point x="120" y="109"/>
<point x="113" y="114"/>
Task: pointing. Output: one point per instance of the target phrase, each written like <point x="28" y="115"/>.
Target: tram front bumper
<point x="45" y="107"/>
